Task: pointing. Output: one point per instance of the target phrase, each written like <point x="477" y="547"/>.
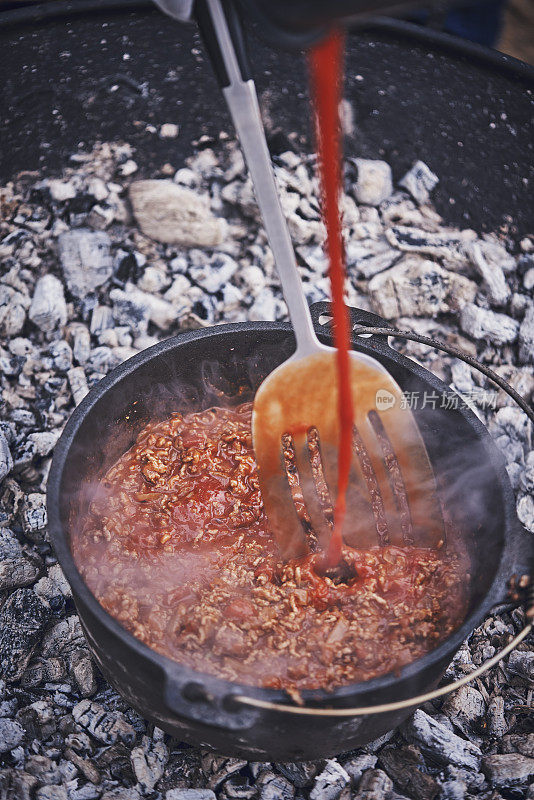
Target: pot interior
<point x="224" y="367"/>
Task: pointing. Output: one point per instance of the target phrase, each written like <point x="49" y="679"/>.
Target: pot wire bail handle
<point x="399" y="705"/>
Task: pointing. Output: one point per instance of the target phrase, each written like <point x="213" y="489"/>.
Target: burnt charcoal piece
<point x="405" y="765"/>
<point x="22" y="620"/>
<point x="106" y="726"/>
<point x="126" y="268"/>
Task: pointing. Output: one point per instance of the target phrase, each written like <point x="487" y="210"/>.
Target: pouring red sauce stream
<point x="326" y="69"/>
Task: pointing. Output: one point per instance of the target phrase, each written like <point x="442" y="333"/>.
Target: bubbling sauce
<point x="176" y="546"/>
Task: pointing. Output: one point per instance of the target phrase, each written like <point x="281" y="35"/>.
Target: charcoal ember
<point x="357" y="765"/>
<point x="16" y="784"/>
<point x="213" y="273"/>
<point x="474" y="781"/>
<point x="330" y="782"/>
<point x="121" y="793"/>
<point x="52" y="792"/>
<point x="517" y="743"/>
<point x="374" y="785"/>
<point x="304" y="231"/>
<point x="453" y="790"/>
<point x="76" y="740"/>
<point x="44" y="769"/>
<point x="217" y="769"/>
<point x="85" y="259"/>
<point x="127" y="266"/>
<point x="78" y="384"/>
<point x="238" y="787"/>
<point x="369" y="261"/>
<point x="19" y="571"/>
<point x="66" y="639"/>
<point x="43" y="670"/>
<point x="465" y="708"/>
<point x="417" y="287"/>
<point x="23" y="618"/>
<point x="492" y="275"/>
<point x="496" y="253"/>
<point x="6" y="459"/>
<point x="61" y="354"/>
<point x="521" y="663"/>
<point x="158" y="310"/>
<point x="84" y="765"/>
<point x="525" y="511"/>
<point x="36" y="445"/>
<point x="131" y="309"/>
<point x="481" y="323"/>
<point x="377" y="744"/>
<point x="13" y="308"/>
<point x="34" y="517"/>
<point x="114" y="763"/>
<point x="528" y="280"/>
<point x="172" y="214"/>
<point x="102" y="360"/>
<point x="406" y="767"/>
<point x="274" y="787"/>
<point x="81" y="342"/>
<point x="55" y="573"/>
<point x="108" y="727"/>
<point x="182" y="770"/>
<point x="447" y="245"/>
<point x="439" y="743"/>
<point x="512" y="423"/>
<point x="10" y="547"/>
<point x="148" y="762"/>
<point x="23" y="418"/>
<point x="11" y="734"/>
<point x="241" y="194"/>
<point x="508" y="769"/>
<point x="264" y="306"/>
<point x="48" y="309"/>
<point x="81" y="668"/>
<point x="419" y="182"/>
<point x="496" y="718"/>
<point x="526" y="480"/>
<point x="526" y="337"/>
<point x="374" y="182"/>
<point x="154" y="279"/>
<point x="300" y="774"/>
<point x="190" y="794"/>
<point x="101" y="320"/>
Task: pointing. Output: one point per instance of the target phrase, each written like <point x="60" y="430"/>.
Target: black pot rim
<point x="167" y="665"/>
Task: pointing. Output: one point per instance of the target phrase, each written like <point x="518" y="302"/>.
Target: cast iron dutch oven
<point x="464" y="111"/>
<point x="190" y="371"/>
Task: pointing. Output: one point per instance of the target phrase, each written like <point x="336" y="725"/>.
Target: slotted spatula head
<point x="392" y="494"/>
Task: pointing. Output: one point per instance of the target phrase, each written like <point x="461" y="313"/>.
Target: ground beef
<point x="177" y="547"/>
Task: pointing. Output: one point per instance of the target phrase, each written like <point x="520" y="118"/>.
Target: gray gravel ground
<point x="97" y="265"/>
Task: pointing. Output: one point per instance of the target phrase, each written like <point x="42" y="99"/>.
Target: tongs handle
<point x="240" y="94"/>
<point x="231" y="62"/>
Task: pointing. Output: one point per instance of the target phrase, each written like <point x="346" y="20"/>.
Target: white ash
<point x="482" y="323"/>
<point x="122" y="285"/>
<point x="419" y="182"/>
<point x="374" y="182"/>
<point x="168" y="213"/>
<point x="48" y="309"/>
<point x="85" y="259"/>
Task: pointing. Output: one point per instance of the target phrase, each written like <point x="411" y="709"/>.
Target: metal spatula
<point x="391" y="494"/>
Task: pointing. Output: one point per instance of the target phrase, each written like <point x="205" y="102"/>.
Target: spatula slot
<point x="369" y="476"/>
<point x="316" y="461"/>
<point x="295" y="487"/>
<point x="394" y="474"/>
